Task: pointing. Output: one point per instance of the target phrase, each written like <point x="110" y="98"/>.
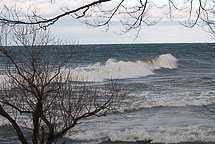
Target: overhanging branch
<point x="47" y="22"/>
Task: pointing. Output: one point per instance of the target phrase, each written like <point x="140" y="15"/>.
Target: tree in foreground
<point x="39" y="94"/>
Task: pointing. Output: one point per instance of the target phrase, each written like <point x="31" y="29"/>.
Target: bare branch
<point x="37" y="87"/>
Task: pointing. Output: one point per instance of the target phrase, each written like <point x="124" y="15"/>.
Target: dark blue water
<point x="165" y="106"/>
<point x="166" y="85"/>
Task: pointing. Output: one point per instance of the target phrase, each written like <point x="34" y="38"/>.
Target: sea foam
<point x="158" y="134"/>
<point x="114" y="69"/>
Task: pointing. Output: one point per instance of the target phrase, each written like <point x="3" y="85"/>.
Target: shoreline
<point x="7" y="135"/>
<point x="150" y="142"/>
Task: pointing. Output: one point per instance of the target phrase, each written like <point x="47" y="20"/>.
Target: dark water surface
<point x="166" y="83"/>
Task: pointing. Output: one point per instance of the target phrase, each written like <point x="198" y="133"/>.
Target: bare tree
<point x="98" y="13"/>
<point x="37" y="92"/>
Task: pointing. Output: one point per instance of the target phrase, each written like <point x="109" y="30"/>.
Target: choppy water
<point x="166" y="83"/>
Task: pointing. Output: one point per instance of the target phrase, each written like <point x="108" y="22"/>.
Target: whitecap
<point x="114" y="69"/>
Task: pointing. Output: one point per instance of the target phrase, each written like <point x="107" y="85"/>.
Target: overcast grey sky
<point x="166" y="31"/>
<point x="160" y="33"/>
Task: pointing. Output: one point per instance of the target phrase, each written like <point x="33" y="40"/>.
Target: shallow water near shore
<point x="167" y="85"/>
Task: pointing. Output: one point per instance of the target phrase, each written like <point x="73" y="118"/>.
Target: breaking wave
<point x="114" y="69"/>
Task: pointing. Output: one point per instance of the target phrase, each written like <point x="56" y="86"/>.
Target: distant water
<point x="166" y="84"/>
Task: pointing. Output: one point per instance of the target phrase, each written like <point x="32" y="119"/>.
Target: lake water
<point x="167" y="86"/>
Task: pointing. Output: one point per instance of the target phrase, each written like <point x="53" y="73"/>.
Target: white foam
<point x="148" y="99"/>
<point x="166" y="135"/>
<point x="157" y="134"/>
<point x="114" y="69"/>
<point x="4" y="80"/>
<point x="167" y="61"/>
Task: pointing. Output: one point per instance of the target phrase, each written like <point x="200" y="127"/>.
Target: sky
<point x="166" y="31"/>
<point x="160" y="33"/>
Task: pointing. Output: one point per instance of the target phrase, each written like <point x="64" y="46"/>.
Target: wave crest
<point x="114" y="69"/>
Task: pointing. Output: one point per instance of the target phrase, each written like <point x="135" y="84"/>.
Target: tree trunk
<point x="36" y="129"/>
<point x="14" y="124"/>
<point x="36" y="117"/>
<point x="51" y="139"/>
